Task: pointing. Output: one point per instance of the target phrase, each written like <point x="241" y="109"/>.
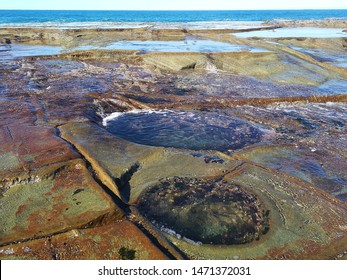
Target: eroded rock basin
<point x="205" y="211"/>
<point x="194" y="130"/>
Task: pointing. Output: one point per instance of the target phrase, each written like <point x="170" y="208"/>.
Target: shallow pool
<point x="338" y="58"/>
<point x="189" y="45"/>
<point x="334" y="86"/>
<point x="10" y="51"/>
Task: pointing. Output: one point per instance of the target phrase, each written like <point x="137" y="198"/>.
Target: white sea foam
<point x="236" y="25"/>
<point x="111" y="117"/>
<point x="200" y="25"/>
<point x="116" y="115"/>
<point x="78" y="25"/>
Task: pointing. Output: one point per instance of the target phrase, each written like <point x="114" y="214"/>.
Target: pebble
<point x="9" y="252"/>
<point x="27" y="249"/>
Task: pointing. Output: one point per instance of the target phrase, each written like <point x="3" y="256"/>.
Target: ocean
<point x="32" y="16"/>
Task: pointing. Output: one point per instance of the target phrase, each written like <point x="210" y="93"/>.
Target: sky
<point x="171" y="4"/>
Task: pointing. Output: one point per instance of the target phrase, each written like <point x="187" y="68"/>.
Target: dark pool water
<point x="205" y="211"/>
<point x="194" y="130"/>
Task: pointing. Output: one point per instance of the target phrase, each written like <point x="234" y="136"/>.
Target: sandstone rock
<point x="272" y="66"/>
<point x="66" y="198"/>
<point x="175" y="61"/>
<point x="25" y="112"/>
<point x="116" y="241"/>
<point x="305" y="164"/>
<point x="26" y="149"/>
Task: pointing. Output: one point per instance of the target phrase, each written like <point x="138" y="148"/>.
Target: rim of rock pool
<point x="205" y="211"/>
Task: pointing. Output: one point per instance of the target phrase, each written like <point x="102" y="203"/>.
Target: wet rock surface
<point x="65" y="199"/>
<point x="117" y="241"/>
<point x="270" y="125"/>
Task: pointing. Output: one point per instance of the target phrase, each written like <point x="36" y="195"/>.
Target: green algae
<point x="126" y="254"/>
<point x="206" y="211"/>
<point x="49" y="205"/>
<point x="8" y="160"/>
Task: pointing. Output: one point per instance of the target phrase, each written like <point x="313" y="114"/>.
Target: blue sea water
<point x="32" y="16"/>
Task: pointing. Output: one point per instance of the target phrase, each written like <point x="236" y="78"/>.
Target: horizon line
<point x="179" y="10"/>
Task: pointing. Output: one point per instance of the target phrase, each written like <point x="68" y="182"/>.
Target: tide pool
<point x="10" y="51"/>
<point x="175" y="46"/>
<point x="193" y="130"/>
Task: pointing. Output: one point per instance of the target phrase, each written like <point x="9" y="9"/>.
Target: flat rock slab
<point x="328" y="174"/>
<point x="175" y="61"/>
<point x="276" y="67"/>
<point x="15" y="111"/>
<point x="116" y="241"/>
<point x="66" y="198"/>
<point x="25" y="148"/>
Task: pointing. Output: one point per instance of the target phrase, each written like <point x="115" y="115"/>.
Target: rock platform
<point x="70" y="188"/>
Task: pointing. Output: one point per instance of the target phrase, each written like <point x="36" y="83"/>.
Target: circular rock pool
<point x="196" y="130"/>
<point x="205" y="211"/>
